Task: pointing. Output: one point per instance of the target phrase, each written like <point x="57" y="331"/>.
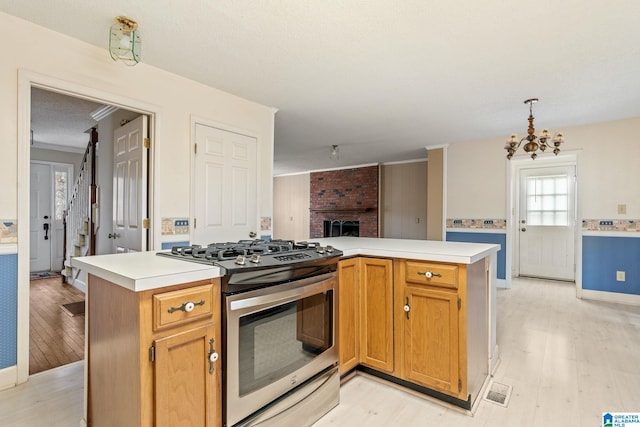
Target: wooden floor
<point x="568" y="361"/>
<point x="55" y="337"/>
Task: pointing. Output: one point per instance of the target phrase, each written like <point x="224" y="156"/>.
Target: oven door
<point x="277" y="338"/>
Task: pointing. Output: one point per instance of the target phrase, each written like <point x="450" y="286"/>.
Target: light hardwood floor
<point x="568" y="361"/>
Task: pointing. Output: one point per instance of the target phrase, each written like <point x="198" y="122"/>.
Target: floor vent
<point x="498" y="393"/>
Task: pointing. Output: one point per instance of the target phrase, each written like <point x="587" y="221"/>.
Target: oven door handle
<point x="290" y="295"/>
<point x="278" y="297"/>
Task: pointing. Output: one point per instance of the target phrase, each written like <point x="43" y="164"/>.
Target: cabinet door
<point x="349" y="314"/>
<point x="187" y="385"/>
<point x="376" y="316"/>
<point x="431" y="344"/>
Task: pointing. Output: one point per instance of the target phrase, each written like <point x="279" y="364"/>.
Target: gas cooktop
<point x="234" y="257"/>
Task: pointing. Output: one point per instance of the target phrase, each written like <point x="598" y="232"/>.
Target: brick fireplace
<point x="345" y="195"/>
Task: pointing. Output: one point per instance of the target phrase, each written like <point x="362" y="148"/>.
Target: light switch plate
<point x="622" y="209"/>
<point x="620" y="276"/>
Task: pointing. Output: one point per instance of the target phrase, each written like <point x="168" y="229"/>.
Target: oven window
<point x="277" y="341"/>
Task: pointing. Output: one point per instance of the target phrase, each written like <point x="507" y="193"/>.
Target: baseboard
<point x="619" y="298"/>
<point x="8" y="377"/>
<point x="80" y="285"/>
<point x="494" y="361"/>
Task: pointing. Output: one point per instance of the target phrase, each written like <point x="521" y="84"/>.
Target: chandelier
<point x="531" y="141"/>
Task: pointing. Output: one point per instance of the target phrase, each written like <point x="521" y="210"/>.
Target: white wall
<point x="31" y="51"/>
<point x="176" y="99"/>
<point x="608" y="162"/>
<point x="57" y="156"/>
<point x="476" y="180"/>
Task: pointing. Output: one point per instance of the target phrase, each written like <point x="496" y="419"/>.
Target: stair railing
<point x="79" y="226"/>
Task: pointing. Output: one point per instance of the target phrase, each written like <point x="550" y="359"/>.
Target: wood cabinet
<point x="153" y="355"/>
<point x="431" y="348"/>
<point x="421" y="322"/>
<point x="444" y="325"/>
<point x="365" y="314"/>
<point x="376" y="313"/>
<point x="348" y="314"/>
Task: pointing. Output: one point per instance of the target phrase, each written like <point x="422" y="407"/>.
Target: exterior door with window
<point x="547" y="222"/>
<point x="40" y="217"/>
<point x="48" y="200"/>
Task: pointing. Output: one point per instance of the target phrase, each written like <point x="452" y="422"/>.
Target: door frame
<point x="26" y="80"/>
<point x="70" y="169"/>
<point x="568" y="158"/>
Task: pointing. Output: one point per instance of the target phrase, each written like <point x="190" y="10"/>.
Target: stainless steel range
<point x="279" y="354"/>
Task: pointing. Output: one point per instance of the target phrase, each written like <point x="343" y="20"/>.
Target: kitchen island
<point x="128" y="295"/>
<point x="421" y="314"/>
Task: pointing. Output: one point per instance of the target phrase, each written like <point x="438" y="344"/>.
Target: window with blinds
<point x="548" y="200"/>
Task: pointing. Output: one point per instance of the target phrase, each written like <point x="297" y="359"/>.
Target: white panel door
<point x="547" y="222"/>
<point x="130" y="187"/>
<point x="40" y="218"/>
<point x="225" y="186"/>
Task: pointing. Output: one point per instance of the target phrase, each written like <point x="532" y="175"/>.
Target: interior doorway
<point x="120" y="111"/>
<point x="545" y="216"/>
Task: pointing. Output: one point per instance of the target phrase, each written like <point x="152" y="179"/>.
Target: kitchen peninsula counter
<point x="427" y="250"/>
<point x="141" y="271"/>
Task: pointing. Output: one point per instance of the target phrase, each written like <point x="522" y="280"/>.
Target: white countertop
<point x="428" y="250"/>
<point x="140" y="271"/>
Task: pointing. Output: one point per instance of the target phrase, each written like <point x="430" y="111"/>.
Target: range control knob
<point x="255" y="258"/>
<point x="329" y="249"/>
<point x="320" y="249"/>
<point x="241" y="260"/>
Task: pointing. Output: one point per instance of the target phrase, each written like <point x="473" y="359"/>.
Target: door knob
<point x="113" y="235"/>
<point x="523" y="229"/>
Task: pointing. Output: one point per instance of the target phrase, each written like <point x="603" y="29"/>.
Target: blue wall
<point x="8" y="310"/>
<point x="493" y="238"/>
<point x="169" y="245"/>
<point x="603" y="256"/>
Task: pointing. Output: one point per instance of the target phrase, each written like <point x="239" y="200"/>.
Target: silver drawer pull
<point x="186" y="307"/>
<point x="429" y="274"/>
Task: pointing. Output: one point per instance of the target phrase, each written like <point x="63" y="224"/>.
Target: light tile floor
<point x="568" y="361"/>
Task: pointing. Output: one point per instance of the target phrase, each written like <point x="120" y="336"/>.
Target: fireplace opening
<point x="337" y="228"/>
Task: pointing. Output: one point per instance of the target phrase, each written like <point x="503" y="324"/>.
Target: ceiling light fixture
<point x="531" y="145"/>
<point x="335" y="153"/>
<point x="124" y="41"/>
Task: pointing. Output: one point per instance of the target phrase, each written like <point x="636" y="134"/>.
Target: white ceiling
<point x="381" y="78"/>
<point x="59" y="121"/>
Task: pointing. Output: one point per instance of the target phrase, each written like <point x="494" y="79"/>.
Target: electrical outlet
<point x="622" y="209"/>
<point x="620" y="276"/>
<point x="417" y="220"/>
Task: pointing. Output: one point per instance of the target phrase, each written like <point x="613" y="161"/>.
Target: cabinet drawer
<point x="182" y="306"/>
<point x="442" y="275"/>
